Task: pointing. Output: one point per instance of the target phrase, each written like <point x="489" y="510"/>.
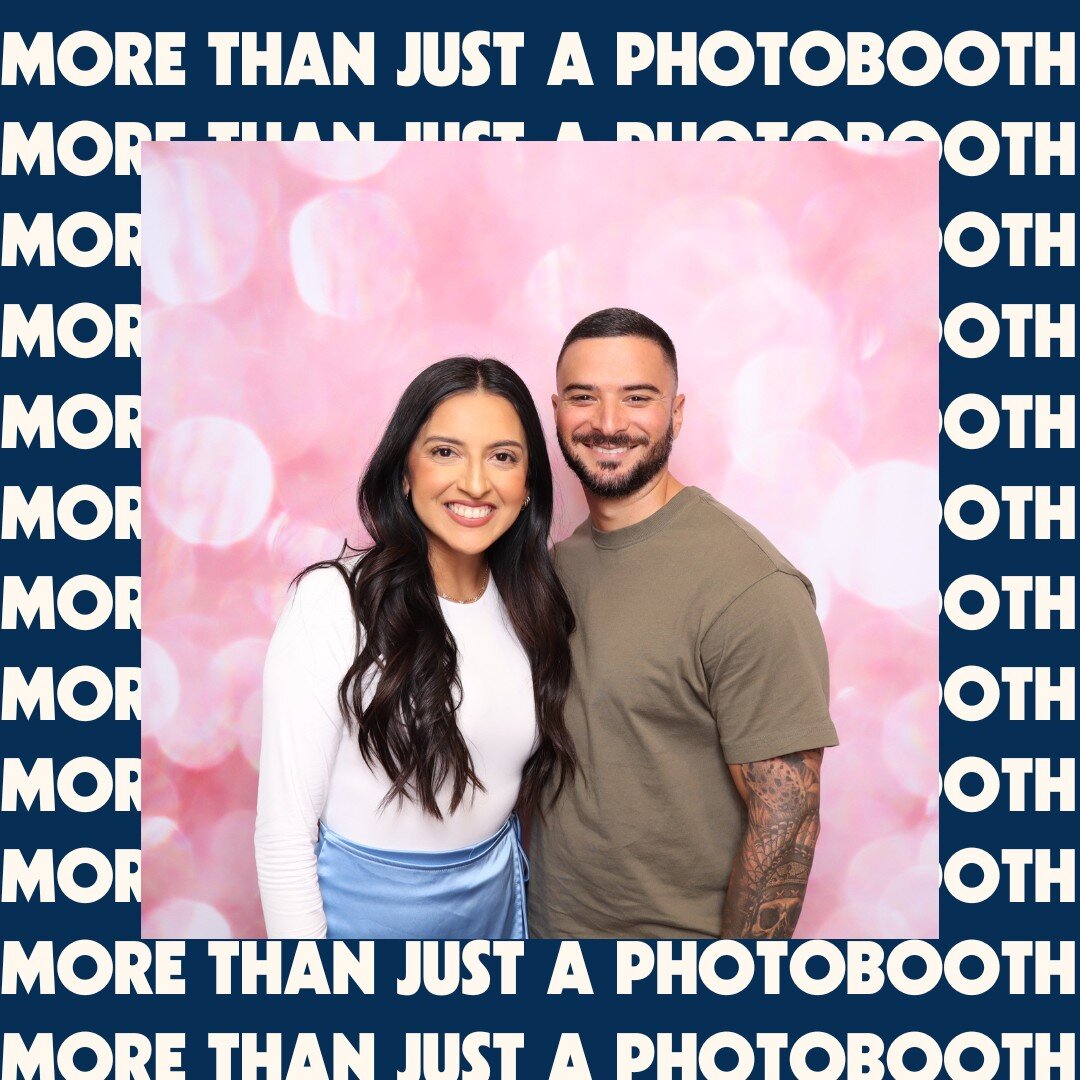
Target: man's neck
<point x="607" y="515"/>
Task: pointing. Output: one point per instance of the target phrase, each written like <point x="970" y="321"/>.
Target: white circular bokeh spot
<point x="157" y="830"/>
<point x="776" y="388"/>
<point x="877" y="864"/>
<point x="564" y="282"/>
<point x="752" y="313"/>
<point x="294" y="543"/>
<point x="690" y="247"/>
<point x="199" y="738"/>
<point x="186" y="350"/>
<point x="249" y="729"/>
<point x="184" y="920"/>
<point x="160" y="686"/>
<point x="210" y="480"/>
<point x="230" y="856"/>
<point x="909" y="742"/>
<point x="880" y="529"/>
<point x="353" y="254"/>
<point x="340" y="160"/>
<point x="201" y="229"/>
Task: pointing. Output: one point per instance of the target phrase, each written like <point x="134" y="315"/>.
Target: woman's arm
<point x="311" y="648"/>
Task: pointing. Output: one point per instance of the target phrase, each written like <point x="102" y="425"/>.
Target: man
<point x="699" y="703"/>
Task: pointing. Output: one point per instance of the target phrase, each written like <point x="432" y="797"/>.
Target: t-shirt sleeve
<point x="768" y="672"/>
<point x="310" y="651"/>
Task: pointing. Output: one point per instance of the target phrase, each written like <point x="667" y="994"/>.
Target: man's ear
<point x="554" y="404"/>
<point x="677" y="414"/>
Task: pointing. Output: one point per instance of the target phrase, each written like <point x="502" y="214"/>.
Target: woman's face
<point x="466" y="472"/>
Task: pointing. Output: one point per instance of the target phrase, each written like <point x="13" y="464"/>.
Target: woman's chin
<point x="466" y="540"/>
<point x="474" y="542"/>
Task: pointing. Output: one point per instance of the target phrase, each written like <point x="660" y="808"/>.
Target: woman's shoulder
<point x="324" y="579"/>
<point x="320" y="598"/>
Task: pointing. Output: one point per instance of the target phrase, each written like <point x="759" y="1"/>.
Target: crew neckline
<point x="480" y="601"/>
<point x="650" y="526"/>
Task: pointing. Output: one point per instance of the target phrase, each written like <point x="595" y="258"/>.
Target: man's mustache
<point x="607" y="442"/>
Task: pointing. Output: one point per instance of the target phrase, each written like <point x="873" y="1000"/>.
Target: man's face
<point x="616" y="413"/>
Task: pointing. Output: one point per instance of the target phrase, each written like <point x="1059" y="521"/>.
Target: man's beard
<point x="618" y="487"/>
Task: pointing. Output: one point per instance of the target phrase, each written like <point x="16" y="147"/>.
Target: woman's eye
<point x="443" y="452"/>
<point x="504" y="457"/>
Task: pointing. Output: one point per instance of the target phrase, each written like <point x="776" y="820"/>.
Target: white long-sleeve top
<point x="311" y="768"/>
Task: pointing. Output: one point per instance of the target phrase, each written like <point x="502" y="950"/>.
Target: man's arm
<point x="768" y="879"/>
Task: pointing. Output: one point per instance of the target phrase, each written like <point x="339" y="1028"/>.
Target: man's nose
<point x="610" y="417"/>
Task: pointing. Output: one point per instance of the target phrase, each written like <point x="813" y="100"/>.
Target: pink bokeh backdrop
<point x="290" y="291"/>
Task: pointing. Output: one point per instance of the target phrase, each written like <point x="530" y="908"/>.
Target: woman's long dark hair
<point x="409" y="723"/>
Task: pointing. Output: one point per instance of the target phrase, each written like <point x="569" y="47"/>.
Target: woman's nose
<point x="473" y="480"/>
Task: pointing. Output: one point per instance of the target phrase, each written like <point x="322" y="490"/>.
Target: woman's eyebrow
<point x="459" y="442"/>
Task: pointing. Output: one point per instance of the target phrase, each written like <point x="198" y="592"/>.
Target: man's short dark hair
<point x="622" y="322"/>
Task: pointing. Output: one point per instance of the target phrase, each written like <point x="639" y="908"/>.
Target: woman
<point x="413" y="694"/>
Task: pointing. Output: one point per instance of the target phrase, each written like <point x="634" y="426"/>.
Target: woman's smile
<point x="470" y="515"/>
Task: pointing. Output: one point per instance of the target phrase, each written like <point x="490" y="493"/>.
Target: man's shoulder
<point x="724" y="551"/>
<point x="710" y="524"/>
<point x="706" y="551"/>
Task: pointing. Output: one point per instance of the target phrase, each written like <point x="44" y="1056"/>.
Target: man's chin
<point x="621" y="478"/>
<point x="608" y="482"/>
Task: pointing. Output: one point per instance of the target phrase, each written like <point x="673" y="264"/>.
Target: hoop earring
<point x="528" y="499"/>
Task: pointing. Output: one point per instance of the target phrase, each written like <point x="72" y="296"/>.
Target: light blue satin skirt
<point x="474" y="892"/>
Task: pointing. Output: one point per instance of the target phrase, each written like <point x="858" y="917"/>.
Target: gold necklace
<point x="454" y="600"/>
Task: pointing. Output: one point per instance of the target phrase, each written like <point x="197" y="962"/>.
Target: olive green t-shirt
<point x="697" y="645"/>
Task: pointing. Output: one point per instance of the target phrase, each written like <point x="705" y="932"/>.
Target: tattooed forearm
<point x="768" y="880"/>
